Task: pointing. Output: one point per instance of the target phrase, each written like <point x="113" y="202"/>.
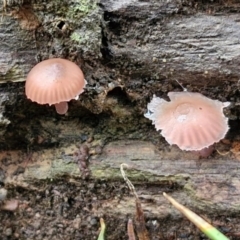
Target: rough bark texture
<point x="128" y="51"/>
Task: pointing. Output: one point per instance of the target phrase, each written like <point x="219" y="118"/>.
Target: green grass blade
<point x="103" y="228"/>
<point x="204" y="226"/>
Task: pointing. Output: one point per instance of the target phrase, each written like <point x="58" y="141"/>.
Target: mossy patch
<point x="81" y="8"/>
<point x="14" y="74"/>
<point x="80" y="28"/>
<point x="85" y="16"/>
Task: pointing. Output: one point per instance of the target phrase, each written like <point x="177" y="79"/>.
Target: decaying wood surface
<point x="203" y="184"/>
<point x="128" y="50"/>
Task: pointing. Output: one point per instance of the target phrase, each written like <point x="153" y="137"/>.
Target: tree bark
<point x="128" y="51"/>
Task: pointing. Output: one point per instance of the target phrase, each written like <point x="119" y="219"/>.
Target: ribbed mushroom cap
<point x="53" y="81"/>
<point x="190" y="120"/>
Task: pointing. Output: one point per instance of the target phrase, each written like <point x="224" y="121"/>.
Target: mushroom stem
<point x="61" y="107"/>
<point x="205" y="152"/>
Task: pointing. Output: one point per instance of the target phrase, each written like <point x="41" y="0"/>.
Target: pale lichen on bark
<point x="33" y="31"/>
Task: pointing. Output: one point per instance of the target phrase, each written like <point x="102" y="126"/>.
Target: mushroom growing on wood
<point x="55" y="82"/>
<point x="190" y="120"/>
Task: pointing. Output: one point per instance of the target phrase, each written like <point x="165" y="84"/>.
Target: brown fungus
<point x="55" y="82"/>
<point x="190" y="120"/>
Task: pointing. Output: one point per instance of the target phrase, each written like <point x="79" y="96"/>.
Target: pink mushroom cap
<point x="190" y="120"/>
<point x="55" y="81"/>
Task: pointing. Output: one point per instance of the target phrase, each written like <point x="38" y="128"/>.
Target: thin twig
<point x="222" y="154"/>
<point x="128" y="182"/>
<point x="141" y="230"/>
<point x="130" y="230"/>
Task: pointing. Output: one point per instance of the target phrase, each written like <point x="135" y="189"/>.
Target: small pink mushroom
<point x="190" y="120"/>
<point x="55" y="82"/>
